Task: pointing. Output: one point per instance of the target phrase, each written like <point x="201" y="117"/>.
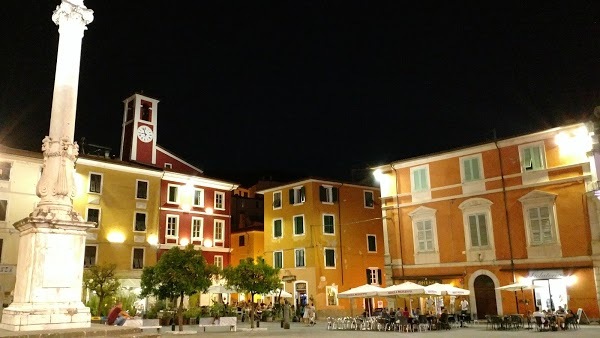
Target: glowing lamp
<point x="152" y="240"/>
<point x="116" y="237"/>
<point x="209" y="211"/>
<point x="207" y="243"/>
<point x="184" y="241"/>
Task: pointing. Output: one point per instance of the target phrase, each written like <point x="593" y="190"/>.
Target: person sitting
<point x="117" y="316"/>
<point x="406" y="313"/>
<point x="561" y="315"/>
<point x="443" y="322"/>
<point x="541" y="315"/>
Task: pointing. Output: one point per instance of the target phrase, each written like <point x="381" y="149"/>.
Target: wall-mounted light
<point x="184" y="241"/>
<point x="152" y="239"/>
<point x="116" y="237"/>
<point x="186" y="207"/>
<point x="207" y="243"/>
<point x="209" y="211"/>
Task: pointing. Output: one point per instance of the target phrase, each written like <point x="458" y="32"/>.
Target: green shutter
<point x="334" y="194"/>
<point x="322" y="194"/>
<point x="291" y="196"/>
<point x="302" y="195"/>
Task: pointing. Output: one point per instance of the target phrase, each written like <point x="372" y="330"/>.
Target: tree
<point x="178" y="273"/>
<point x="101" y="280"/>
<point x="252" y="278"/>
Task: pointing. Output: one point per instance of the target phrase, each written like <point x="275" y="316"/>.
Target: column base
<point x="45" y="316"/>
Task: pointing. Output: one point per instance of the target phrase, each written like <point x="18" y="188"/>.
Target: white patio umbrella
<point x="445" y="290"/>
<point x="219" y="289"/>
<point x="520" y="286"/>
<point x="363" y="291"/>
<point x="284" y="294"/>
<point x="405" y="289"/>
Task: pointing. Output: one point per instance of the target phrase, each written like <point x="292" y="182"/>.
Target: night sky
<point x="311" y="88"/>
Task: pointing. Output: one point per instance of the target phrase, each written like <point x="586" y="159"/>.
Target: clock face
<point x="145" y="134"/>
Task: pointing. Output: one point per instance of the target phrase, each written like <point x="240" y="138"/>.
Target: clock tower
<point x="138" y="138"/>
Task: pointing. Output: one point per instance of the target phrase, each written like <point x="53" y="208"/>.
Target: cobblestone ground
<point x="320" y="330"/>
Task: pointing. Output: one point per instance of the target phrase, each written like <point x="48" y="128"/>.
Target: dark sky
<point x="313" y="87"/>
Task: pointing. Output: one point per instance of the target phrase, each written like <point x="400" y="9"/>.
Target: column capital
<point x="72" y="11"/>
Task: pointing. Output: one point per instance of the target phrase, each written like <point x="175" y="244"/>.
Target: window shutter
<point x="379" y="276"/>
<point x="368" y="276"/>
<point x="291" y="196"/>
<point x="334" y="194"/>
<point x="322" y="194"/>
<point x="302" y="194"/>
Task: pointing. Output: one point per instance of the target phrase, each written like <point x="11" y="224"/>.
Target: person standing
<point x="117" y="316"/>
<point x="464" y="310"/>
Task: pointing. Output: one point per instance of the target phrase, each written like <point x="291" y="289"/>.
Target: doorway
<point x="485" y="296"/>
<point x="550" y="294"/>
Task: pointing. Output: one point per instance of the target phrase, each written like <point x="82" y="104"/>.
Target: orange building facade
<point x="326" y="237"/>
<point x="489" y="215"/>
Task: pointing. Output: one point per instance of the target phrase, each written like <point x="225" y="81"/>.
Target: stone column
<point x="52" y="239"/>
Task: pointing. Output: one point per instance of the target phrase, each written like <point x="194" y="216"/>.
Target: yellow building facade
<point x="247" y="243"/>
<point x="489" y="215"/>
<point x="123" y="199"/>
<point x="326" y="237"/>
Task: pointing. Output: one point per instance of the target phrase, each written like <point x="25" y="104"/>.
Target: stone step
<point x="140" y="335"/>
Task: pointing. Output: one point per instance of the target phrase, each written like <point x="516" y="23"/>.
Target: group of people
<point x="309" y="314"/>
<point x="559" y="318"/>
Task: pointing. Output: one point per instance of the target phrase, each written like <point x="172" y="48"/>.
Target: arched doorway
<point x="485" y="296"/>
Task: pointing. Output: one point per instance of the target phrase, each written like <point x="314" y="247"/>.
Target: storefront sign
<point x="546" y="274"/>
<point x="7" y="269"/>
<point x="426" y="282"/>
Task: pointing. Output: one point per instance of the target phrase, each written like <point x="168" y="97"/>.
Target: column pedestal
<point x="50" y="266"/>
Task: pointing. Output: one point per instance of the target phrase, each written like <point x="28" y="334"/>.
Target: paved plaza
<point x="273" y="329"/>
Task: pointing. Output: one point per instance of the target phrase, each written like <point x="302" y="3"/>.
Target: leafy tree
<point x="178" y="273"/>
<point x="101" y="279"/>
<point x="252" y="278"/>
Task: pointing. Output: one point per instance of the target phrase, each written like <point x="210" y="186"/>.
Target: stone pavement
<point x="273" y="329"/>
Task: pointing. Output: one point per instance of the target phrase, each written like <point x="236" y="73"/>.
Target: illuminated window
<point x="299" y="258"/>
<point x="419" y="178"/>
<point x="219" y="200"/>
<point x="197" y="229"/>
<point x="297" y="195"/>
<point x="218" y="231"/>
<point x="199" y="197"/>
<point x="328" y="194"/>
<point x="533" y="156"/>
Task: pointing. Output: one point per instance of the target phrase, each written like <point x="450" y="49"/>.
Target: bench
<point x="143" y="324"/>
<point x="223" y="321"/>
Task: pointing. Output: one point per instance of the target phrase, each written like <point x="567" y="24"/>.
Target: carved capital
<point x="58" y="167"/>
<point x="73" y="11"/>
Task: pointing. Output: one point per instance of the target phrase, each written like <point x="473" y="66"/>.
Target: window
<point x="173" y="194"/>
<point x="471" y="168"/>
<point x="420" y="178"/>
<point x="140" y="221"/>
<point x="197" y="229"/>
<point x="277" y="200"/>
<point x="219" y="200"/>
<point x="219" y="229"/>
<point x="478" y="230"/>
<point x="328" y="194"/>
<point x="89" y="258"/>
<point x="242" y="240"/>
<point x="219" y="261"/>
<point x="373" y="276"/>
<point x="168" y="166"/>
<point x="199" y="197"/>
<point x="278" y="259"/>
<point x="138" y="259"/>
<point x="3" y="206"/>
<point x="332" y="295"/>
<point x="277" y="228"/>
<point x="299" y="255"/>
<point x="329" y="257"/>
<point x="540" y="225"/>
<point x="95" y="183"/>
<point x="371" y="243"/>
<point x="5" y="171"/>
<point x="369" y="199"/>
<point x="328" y="224"/>
<point x="297" y="195"/>
<point x="172" y="226"/>
<point x="424" y="236"/>
<point x="299" y="225"/>
<point x="532" y="156"/>
<point x="141" y="191"/>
